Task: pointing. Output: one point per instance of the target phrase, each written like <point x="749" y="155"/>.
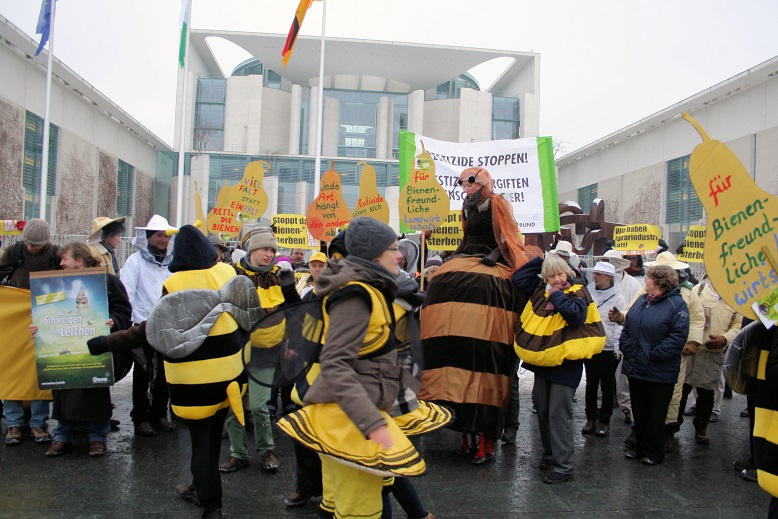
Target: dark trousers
<point x="772" y="512"/>
<point x="600" y="370"/>
<point x="143" y="408"/>
<point x="287" y="405"/>
<point x="308" y="471"/>
<point x="649" y="408"/>
<point x="406" y="495"/>
<point x="514" y="405"/>
<point x="206" y="437"/>
<point x="704" y="406"/>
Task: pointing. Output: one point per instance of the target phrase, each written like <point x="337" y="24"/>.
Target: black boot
<point x="701" y="436"/>
<point x="589" y="427"/>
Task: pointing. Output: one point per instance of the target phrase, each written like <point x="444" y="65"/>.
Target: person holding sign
<point x="468" y="319"/>
<point x="88" y="405"/>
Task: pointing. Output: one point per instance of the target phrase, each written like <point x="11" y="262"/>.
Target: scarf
<point x="651" y="298"/>
<point x="550" y="305"/>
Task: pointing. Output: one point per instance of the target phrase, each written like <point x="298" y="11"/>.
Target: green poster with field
<point x="69" y="307"/>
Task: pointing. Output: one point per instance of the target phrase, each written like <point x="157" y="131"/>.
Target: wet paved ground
<point x="137" y="477"/>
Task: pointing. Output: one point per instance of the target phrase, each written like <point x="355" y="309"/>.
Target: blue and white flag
<point x="44" y="24"/>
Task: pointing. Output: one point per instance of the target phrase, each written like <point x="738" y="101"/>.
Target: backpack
<point x="18" y="261"/>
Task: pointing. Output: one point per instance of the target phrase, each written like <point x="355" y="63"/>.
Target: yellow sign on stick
<point x="693" y="245"/>
<point x="639" y="238"/>
<point x="328" y="212"/>
<point x="370" y="202"/>
<point x="449" y="234"/>
<point x="292" y="231"/>
<point x="237" y="204"/>
<point x="423" y="202"/>
<point x="742" y="220"/>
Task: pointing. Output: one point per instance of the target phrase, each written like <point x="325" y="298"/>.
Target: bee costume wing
<point x="180" y="322"/>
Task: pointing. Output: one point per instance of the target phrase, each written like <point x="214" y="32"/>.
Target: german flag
<point x="299" y="15"/>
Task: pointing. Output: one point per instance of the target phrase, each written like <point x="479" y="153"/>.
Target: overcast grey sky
<point x="604" y="64"/>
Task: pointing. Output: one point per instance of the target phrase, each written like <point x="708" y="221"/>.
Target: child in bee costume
<point x="345" y="418"/>
<point x="201" y="326"/>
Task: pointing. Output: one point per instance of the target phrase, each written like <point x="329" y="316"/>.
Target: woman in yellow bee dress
<point x="345" y="418"/>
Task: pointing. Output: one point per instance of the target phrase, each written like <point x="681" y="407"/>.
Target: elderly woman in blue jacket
<point x="655" y="332"/>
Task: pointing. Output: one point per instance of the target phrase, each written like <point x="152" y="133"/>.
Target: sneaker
<point x="97" y="448"/>
<point x="744" y="413"/>
<point x="714" y="417"/>
<point x="40" y="434"/>
<point x="144" y="429"/>
<point x="232" y="464"/>
<point x="690" y="411"/>
<point x="162" y="424"/>
<point x="744" y="464"/>
<point x="296" y="499"/>
<point x="632" y="454"/>
<point x="534" y="409"/>
<point x="649" y="461"/>
<point x="13" y="436"/>
<point x="188" y="494"/>
<point x="269" y="461"/>
<point x="545" y="464"/>
<point x="750" y="475"/>
<point x="58" y="449"/>
<point x="554" y="478"/>
<point x="603" y="430"/>
<point x="701" y="437"/>
<point x="589" y="427"/>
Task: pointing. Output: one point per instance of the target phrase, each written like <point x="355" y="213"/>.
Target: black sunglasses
<point x="470" y="180"/>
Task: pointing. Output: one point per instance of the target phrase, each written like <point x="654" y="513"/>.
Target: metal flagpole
<point x="182" y="127"/>
<point x="319" y="122"/>
<point x="46" y="122"/>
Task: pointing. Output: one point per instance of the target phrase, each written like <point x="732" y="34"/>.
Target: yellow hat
<point x="318" y="256"/>
<point x="98" y="224"/>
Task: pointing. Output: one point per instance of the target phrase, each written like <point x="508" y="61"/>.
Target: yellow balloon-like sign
<point x="423" y="204"/>
<point x="237" y="204"/>
<point x="370" y="202"/>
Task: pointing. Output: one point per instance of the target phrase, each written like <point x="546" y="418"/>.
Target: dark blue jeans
<point x="406" y="495"/>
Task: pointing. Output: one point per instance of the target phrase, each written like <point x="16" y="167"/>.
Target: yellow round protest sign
<point x="328" y="212"/>
<point x="423" y="204"/>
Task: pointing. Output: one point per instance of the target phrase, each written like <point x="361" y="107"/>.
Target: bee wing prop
<point x="180" y="322"/>
<point x="285" y="344"/>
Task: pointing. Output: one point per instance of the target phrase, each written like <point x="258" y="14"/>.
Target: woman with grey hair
<point x="560" y="326"/>
<point x="654" y="333"/>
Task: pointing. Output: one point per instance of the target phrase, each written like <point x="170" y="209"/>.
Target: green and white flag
<point x="183" y="21"/>
<point x="523" y="171"/>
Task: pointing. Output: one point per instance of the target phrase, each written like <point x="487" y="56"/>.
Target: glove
<point x="488" y="261"/>
<point x="617" y="355"/>
<point x="616" y="316"/>
<point x="716" y="342"/>
<point x="690" y="348"/>
<point x="285" y="274"/>
<point x="98" y="345"/>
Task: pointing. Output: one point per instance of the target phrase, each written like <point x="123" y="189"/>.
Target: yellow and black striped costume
<point x="213" y="377"/>
<point x="766" y="416"/>
<point x="544" y="338"/>
<point x="326" y="429"/>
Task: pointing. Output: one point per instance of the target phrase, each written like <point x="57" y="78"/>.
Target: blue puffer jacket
<point x="653" y="336"/>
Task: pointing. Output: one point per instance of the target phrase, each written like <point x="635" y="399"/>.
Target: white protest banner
<point x="523" y="170"/>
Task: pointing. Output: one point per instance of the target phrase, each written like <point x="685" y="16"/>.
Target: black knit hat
<point x="192" y="251"/>
<point x="338" y="246"/>
<point x="367" y="238"/>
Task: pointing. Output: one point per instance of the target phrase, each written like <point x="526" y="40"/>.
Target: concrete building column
<point x="416" y="111"/>
<point x="392" y="196"/>
<point x="294" y="119"/>
<point x="313" y="118"/>
<point x="271" y="188"/>
<point x="382" y="114"/>
<point x="301" y="198"/>
<point x="390" y="130"/>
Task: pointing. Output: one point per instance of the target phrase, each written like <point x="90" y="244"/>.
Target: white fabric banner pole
<point x="182" y="131"/>
<point x="320" y="108"/>
<point x="46" y="118"/>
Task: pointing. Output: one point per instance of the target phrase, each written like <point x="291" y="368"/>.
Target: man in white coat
<point x="143" y="274"/>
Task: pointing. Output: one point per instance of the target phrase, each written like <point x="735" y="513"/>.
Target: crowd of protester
<point x="647" y="335"/>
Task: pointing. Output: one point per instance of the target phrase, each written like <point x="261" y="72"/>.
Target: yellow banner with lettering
<point x="693" y="245"/>
<point x="448" y="235"/>
<point x="639" y="238"/>
<point x="292" y="232"/>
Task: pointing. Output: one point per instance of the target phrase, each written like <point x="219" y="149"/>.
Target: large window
<point x="208" y="134"/>
<point x="505" y="118"/>
<point x="586" y="196"/>
<point x="33" y="155"/>
<point x="683" y="205"/>
<point x="124" y="185"/>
